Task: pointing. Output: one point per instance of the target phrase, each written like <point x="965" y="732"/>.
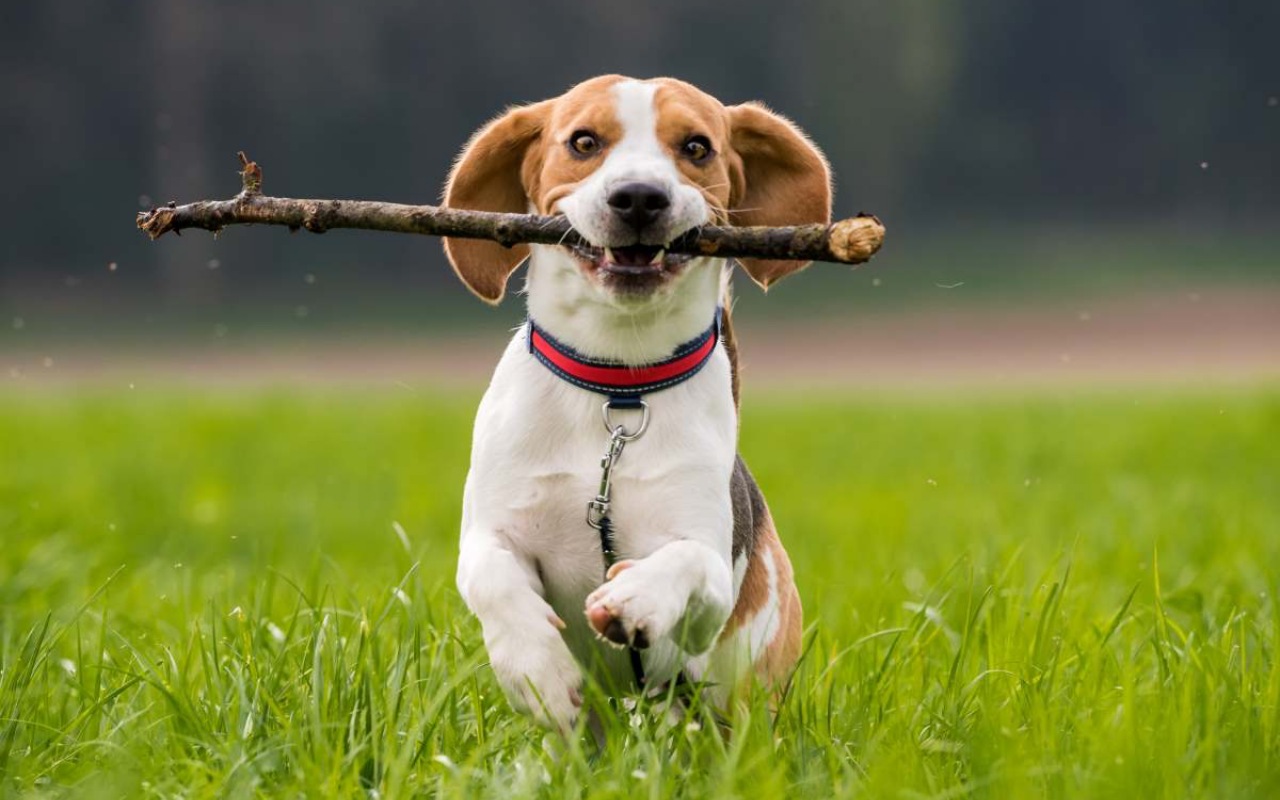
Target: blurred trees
<point x="930" y="112"/>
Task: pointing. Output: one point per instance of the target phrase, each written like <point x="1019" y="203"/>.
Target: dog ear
<point x="490" y="175"/>
<point x="782" y="179"/>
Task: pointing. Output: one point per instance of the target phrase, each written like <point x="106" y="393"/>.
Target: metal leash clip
<point x="598" y="509"/>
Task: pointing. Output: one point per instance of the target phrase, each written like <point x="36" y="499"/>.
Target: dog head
<point x="633" y="165"/>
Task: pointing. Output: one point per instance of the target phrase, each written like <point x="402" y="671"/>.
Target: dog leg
<point x="532" y="663"/>
<point x="684" y="590"/>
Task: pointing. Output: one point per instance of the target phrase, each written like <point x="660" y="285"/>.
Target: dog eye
<point x="697" y="149"/>
<point x="584" y="143"/>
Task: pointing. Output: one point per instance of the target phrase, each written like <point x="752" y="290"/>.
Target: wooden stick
<point x="849" y="241"/>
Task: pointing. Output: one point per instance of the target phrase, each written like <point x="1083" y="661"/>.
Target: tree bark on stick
<point x="849" y="241"/>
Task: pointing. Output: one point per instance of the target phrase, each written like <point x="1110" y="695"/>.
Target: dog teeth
<point x="608" y="256"/>
<point x="657" y="260"/>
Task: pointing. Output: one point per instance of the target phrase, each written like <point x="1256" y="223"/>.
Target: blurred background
<point x="1087" y="191"/>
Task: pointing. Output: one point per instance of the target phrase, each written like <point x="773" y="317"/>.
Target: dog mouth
<point x="637" y="261"/>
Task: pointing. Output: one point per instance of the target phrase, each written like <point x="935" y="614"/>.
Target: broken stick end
<point x="855" y="240"/>
<point x="156" y="222"/>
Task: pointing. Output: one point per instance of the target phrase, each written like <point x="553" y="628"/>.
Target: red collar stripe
<point x="617" y="379"/>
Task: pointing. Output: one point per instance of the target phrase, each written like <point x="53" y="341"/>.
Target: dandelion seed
<point x="1084" y="316"/>
<point x="19" y="323"/>
<point x="68" y="666"/>
<point x="310" y="279"/>
<point x="1273" y="101"/>
<point x="949" y="285"/>
<point x="931" y="481"/>
<point x="1204" y="165"/>
<point x="131" y="386"/>
<point x="401" y="596"/>
<point x="237" y="613"/>
<point x="48" y="362"/>
<point x="445" y="762"/>
<point x="178" y="565"/>
<point x="639" y="774"/>
<point x="933" y="615"/>
<point x="111" y="526"/>
<point x="875" y="281"/>
<point x="112" y="266"/>
<point x="693" y="726"/>
<point x="273" y="630"/>
<point x="213" y="263"/>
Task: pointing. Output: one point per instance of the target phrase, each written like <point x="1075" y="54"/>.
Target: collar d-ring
<point x="619" y="430"/>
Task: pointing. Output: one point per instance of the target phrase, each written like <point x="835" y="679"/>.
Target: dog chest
<point x="536" y="463"/>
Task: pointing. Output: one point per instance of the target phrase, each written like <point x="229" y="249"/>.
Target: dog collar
<point x="623" y="383"/>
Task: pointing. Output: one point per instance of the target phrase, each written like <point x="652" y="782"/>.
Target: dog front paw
<point x="631" y="609"/>
<point x="539" y="676"/>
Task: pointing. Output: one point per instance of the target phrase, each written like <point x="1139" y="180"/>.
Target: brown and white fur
<point x="705" y="581"/>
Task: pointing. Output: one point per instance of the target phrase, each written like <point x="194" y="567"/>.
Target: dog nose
<point x="638" y="204"/>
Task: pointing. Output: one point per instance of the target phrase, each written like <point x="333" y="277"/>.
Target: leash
<point x="623" y="386"/>
<point x="598" y="509"/>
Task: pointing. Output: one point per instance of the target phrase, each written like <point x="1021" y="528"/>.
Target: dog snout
<point x="639" y="205"/>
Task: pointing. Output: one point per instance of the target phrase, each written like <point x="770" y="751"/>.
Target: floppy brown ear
<point x="783" y="180"/>
<point x="488" y="177"/>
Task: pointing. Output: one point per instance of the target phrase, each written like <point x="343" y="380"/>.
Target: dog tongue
<point x="635" y="256"/>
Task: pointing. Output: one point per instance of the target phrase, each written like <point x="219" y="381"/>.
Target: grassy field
<point x="1066" y="595"/>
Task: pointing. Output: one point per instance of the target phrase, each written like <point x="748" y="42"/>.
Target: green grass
<point x="1063" y="595"/>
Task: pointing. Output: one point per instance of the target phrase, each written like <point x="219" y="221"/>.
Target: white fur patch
<point x="764" y="626"/>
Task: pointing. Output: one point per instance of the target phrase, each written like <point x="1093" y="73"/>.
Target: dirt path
<point x="1184" y="337"/>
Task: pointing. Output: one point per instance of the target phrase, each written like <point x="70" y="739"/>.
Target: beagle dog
<point x="639" y="551"/>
